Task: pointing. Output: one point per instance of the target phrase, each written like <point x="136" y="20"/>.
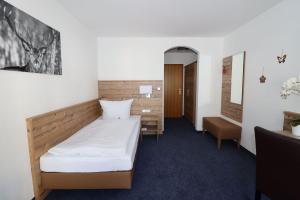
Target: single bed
<point x="52" y="136"/>
<point x="112" y="159"/>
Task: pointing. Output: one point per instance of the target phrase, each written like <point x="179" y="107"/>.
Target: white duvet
<point x="100" y="138"/>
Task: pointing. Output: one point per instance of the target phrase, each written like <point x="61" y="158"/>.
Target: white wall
<point x="263" y="39"/>
<point x="27" y="94"/>
<point x="143" y="59"/>
<point x="184" y="58"/>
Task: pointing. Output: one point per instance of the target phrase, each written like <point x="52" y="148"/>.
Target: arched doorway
<point x="180" y="83"/>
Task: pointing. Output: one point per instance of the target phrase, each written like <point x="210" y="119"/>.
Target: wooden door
<point x="173" y="90"/>
<point x="190" y="80"/>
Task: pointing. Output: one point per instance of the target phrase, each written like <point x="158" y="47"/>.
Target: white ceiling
<point x="165" y="18"/>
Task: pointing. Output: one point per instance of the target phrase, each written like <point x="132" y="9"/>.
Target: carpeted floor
<point x="183" y="165"/>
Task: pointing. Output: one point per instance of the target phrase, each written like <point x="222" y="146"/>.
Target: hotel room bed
<point x="80" y="170"/>
<point x="115" y="158"/>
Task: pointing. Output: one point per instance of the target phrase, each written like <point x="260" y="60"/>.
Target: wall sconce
<point x="146" y="89"/>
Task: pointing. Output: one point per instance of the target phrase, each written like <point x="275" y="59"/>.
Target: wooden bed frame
<point x="49" y="129"/>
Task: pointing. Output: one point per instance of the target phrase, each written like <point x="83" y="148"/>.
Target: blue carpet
<point x="183" y="165"/>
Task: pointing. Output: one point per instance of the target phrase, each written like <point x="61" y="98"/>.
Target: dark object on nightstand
<point x="277" y="165"/>
<point x="149" y="125"/>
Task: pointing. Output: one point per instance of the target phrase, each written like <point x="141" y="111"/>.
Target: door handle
<point x="187" y="92"/>
<point x="179" y="91"/>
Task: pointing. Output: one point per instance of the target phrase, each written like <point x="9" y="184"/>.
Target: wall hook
<point x="263" y="79"/>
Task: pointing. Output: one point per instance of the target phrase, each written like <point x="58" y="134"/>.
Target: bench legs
<point x="238" y="142"/>
<point x="219" y="143"/>
<point x="219" y="140"/>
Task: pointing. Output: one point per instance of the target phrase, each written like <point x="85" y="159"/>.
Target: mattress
<point x="99" y="138"/>
<point x="50" y="162"/>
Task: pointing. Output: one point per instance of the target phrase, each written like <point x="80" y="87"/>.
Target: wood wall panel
<point x="49" y="129"/>
<point x="120" y="90"/>
<point x="288" y="116"/>
<point x="228" y="109"/>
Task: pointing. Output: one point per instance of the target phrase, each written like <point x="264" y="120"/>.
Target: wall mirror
<point x="232" y="86"/>
<point x="237" y="78"/>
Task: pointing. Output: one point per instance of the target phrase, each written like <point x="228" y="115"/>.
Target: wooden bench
<point x="222" y="129"/>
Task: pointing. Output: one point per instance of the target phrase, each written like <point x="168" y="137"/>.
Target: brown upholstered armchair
<point x="277" y="165"/>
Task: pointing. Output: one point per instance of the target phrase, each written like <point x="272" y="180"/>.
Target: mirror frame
<point x="228" y="109"/>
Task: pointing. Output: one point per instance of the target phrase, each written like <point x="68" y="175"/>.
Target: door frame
<point x="197" y="86"/>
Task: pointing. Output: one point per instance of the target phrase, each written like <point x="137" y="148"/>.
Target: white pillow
<point x="116" y="109"/>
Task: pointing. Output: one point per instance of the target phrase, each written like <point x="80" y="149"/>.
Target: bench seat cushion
<point x="221" y="128"/>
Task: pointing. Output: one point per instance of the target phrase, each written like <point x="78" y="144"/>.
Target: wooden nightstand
<point x="149" y="126"/>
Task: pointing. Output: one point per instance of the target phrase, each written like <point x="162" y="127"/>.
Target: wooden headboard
<point x="118" y="90"/>
<point x="49" y="129"/>
<point x="288" y="116"/>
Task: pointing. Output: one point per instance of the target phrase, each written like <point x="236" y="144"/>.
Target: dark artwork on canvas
<point x="26" y="44"/>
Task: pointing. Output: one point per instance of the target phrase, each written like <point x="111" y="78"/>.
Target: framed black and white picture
<point x="26" y="44"/>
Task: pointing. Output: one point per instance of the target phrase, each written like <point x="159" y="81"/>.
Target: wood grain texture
<point x="90" y="180"/>
<point x="190" y="81"/>
<point x="173" y="74"/>
<point x="231" y="110"/>
<point x="49" y="129"/>
<point x="120" y="90"/>
<point x="288" y="116"/>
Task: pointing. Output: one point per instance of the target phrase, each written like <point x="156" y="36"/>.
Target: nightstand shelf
<point x="149" y="126"/>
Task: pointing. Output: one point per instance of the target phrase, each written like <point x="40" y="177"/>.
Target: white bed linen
<point x="99" y="138"/>
<point x="54" y="163"/>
